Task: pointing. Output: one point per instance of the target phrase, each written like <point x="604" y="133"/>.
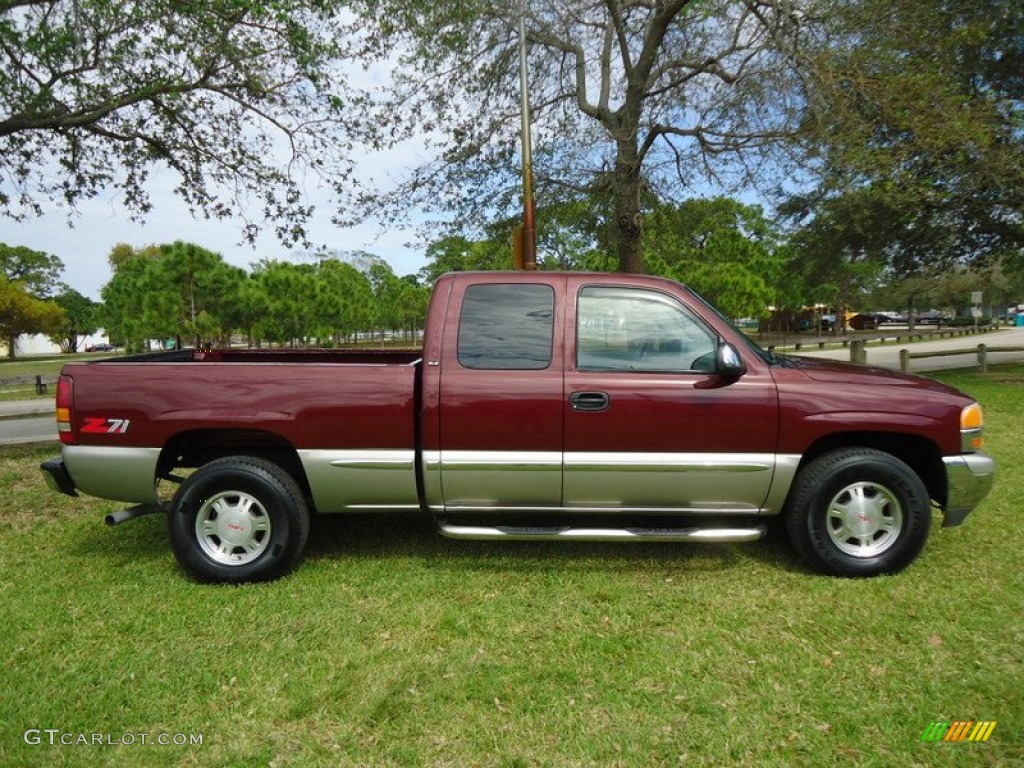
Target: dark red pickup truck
<point x="542" y="406"/>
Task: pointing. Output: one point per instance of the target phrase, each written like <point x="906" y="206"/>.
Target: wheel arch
<point x="919" y="453"/>
<point x="195" y="448"/>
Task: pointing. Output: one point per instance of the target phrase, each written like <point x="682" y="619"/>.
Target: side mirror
<point x="728" y="361"/>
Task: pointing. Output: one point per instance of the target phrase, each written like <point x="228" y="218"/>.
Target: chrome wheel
<point x="864" y="519"/>
<point x="238" y="519"/>
<point x="233" y="528"/>
<point x="858" y="512"/>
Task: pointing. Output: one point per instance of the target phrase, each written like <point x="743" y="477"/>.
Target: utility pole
<point x="527" y="235"/>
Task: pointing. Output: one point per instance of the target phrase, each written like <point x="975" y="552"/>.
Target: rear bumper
<point x="57" y="477"/>
<point x="969" y="478"/>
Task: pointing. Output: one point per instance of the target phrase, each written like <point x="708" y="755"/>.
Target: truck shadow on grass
<point x="384" y="536"/>
<point x="142" y="546"/>
<point x="138" y="545"/>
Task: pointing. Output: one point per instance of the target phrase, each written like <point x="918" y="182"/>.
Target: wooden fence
<point x="982" y="351"/>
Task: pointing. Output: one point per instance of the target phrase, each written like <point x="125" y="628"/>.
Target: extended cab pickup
<point x="542" y="406"/>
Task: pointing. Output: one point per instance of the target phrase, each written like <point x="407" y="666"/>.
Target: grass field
<point x="391" y="646"/>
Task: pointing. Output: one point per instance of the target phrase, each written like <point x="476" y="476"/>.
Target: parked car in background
<point x="863" y="322"/>
<point x="889" y="318"/>
<point x="100" y="348"/>
<point x="931" y="317"/>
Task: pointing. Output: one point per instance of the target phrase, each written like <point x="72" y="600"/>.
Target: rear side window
<point x="507" y="327"/>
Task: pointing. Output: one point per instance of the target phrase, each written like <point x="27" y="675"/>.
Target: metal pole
<point x="529" y="226"/>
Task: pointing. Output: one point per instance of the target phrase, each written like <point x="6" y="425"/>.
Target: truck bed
<point x="324" y="399"/>
<point x="351" y="356"/>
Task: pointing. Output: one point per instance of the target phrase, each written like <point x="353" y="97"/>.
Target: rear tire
<point x="238" y="519"/>
<point x="858" y="512"/>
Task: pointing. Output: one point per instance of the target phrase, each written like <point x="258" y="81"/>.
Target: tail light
<point x="65" y="409"/>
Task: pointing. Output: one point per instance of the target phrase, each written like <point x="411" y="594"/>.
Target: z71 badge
<point x="97" y="425"/>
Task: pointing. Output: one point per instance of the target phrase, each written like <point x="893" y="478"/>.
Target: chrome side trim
<point x="612" y="508"/>
<point x="566" y="533"/>
<point x="343" y="480"/>
<point x="517" y="461"/>
<point x="969" y="478"/>
<point x="113" y="472"/>
<point x="669" y="462"/>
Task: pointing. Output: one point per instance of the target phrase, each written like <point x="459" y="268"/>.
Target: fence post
<point x="857" y="352"/>
<point x="904" y="359"/>
<point x="983" y="358"/>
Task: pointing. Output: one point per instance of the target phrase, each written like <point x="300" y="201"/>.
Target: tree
<point x="844" y="245"/>
<point x="725" y="250"/>
<point x="387" y="293"/>
<point x="122" y="252"/>
<point x="456" y="253"/>
<point x="342" y="301"/>
<point x="37" y="271"/>
<point x="22" y="312"/>
<point x="179" y="290"/>
<point x="574" y="234"/>
<point x="414" y="300"/>
<point x="195" y="292"/>
<point x="28" y="277"/>
<point x="286" y="290"/>
<point x="238" y="98"/>
<point x="123" y="296"/>
<point x="80" y="319"/>
<point x="916" y="147"/>
<point x="627" y="97"/>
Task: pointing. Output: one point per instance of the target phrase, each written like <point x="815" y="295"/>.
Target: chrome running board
<point x="568" y="533"/>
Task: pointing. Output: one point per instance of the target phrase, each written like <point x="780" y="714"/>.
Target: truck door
<point x="649" y="426"/>
<point x="500" y="404"/>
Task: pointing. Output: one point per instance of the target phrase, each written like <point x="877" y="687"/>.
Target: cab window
<point x="506" y="327"/>
<point x="629" y="329"/>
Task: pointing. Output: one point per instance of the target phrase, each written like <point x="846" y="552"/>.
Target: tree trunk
<point x="627" y="224"/>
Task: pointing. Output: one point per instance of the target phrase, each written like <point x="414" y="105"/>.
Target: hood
<point x="837" y="372"/>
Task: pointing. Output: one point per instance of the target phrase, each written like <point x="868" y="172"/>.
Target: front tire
<point x="238" y="519"/>
<point x="858" y="512"/>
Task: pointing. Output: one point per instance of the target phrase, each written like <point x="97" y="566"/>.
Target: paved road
<point x="27" y="421"/>
<point x="32" y="421"/>
<point x="888" y="356"/>
<point x="33" y="429"/>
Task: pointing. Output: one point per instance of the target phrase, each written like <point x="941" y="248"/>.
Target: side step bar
<point x="567" y="533"/>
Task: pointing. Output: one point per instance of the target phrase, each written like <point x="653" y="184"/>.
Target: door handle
<point x="589" y="401"/>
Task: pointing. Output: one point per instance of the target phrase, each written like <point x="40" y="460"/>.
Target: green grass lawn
<point x="391" y="646"/>
<point x="17" y="377"/>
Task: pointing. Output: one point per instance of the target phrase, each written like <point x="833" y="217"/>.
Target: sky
<point x="83" y="240"/>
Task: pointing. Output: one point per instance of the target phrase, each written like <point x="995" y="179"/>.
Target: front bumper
<point x="969" y="478"/>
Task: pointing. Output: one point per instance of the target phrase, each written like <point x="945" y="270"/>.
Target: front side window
<point x="507" y="327"/>
<point x="630" y="329"/>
